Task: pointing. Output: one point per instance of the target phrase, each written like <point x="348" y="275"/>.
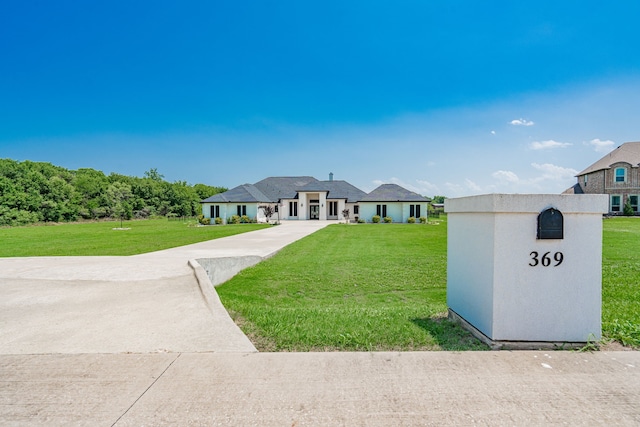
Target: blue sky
<point x="446" y="98"/>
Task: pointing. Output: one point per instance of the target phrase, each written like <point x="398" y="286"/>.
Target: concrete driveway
<point x="119" y="341"/>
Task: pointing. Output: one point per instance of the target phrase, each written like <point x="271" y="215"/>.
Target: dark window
<point x="215" y="211"/>
<point x="412" y="211"/>
<point x="239" y="210"/>
<point x="333" y="208"/>
<point x="244" y="209"/>
<point x="276" y="209"/>
<point x="293" y="208"/>
<point x="417" y="211"/>
<point x="378" y="210"/>
<point x="356" y="209"/>
<point x="384" y="210"/>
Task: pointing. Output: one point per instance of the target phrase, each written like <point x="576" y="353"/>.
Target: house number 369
<point x="546" y="259"/>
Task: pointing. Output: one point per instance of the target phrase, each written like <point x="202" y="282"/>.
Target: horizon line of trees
<point x="32" y="192"/>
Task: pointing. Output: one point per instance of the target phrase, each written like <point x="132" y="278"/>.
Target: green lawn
<point x="621" y="280"/>
<point x="100" y="238"/>
<point x="352" y="288"/>
<point x="383" y="287"/>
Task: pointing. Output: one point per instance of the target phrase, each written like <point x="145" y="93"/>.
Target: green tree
<point x="118" y="194"/>
<point x="628" y="209"/>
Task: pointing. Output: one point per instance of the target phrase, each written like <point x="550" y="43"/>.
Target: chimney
<point x="330" y="176"/>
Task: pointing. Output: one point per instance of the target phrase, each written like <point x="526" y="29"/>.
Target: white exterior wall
<point x="229" y="209"/>
<point x="398" y="211"/>
<point x="491" y="284"/>
<point x="303" y="206"/>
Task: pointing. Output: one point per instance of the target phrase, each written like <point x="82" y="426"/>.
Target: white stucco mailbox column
<point x="526" y="268"/>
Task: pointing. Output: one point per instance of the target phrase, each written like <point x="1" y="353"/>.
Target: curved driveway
<point x="143" y="303"/>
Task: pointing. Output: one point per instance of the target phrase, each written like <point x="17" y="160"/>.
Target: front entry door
<point x="314" y="212"/>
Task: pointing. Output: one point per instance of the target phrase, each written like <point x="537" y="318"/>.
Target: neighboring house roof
<point x="245" y="193"/>
<point x="575" y="189"/>
<point x="283" y="187"/>
<point x="629" y="152"/>
<point x="393" y="193"/>
<point x="335" y="190"/>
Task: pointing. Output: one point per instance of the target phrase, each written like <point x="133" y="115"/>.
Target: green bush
<point x="411" y="220"/>
<point x="375" y="219"/>
<point x="361" y="221"/>
<point x="423" y="220"/>
<point x="388" y="219"/>
<point x="627" y="209"/>
<point x="218" y="220"/>
<point x="205" y="221"/>
<point x="235" y="219"/>
<point x="245" y="219"/>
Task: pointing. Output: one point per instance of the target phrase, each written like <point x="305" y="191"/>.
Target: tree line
<point x="33" y="192"/>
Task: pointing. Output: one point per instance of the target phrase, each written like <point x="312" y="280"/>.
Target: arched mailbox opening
<point x="550" y="224"/>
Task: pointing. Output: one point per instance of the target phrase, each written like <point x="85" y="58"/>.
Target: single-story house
<point x="394" y="201"/>
<point x="306" y="198"/>
<point x="617" y="174"/>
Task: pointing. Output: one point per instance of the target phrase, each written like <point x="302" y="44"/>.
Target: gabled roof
<point x="393" y="193"/>
<point x="575" y="189"/>
<point x="335" y="190"/>
<point x="245" y="193"/>
<point x="629" y="152"/>
<point x="283" y="187"/>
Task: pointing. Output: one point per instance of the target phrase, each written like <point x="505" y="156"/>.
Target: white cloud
<point x="522" y="122"/>
<point x="602" y="146"/>
<point x="507" y="176"/>
<point x="550" y="144"/>
<point x="552" y="172"/>
<point x="472" y="186"/>
<point x="493" y="132"/>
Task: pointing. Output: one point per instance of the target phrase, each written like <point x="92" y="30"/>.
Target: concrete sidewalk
<point x="322" y="389"/>
<point x="119" y="341"/>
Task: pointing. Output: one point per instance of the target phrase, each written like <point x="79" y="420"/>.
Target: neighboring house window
<point x="215" y="211"/>
<point x="586" y="178"/>
<point x="633" y="200"/>
<point x="615" y="203"/>
<point x="356" y="209"/>
<point x="333" y="208"/>
<point x="621" y="175"/>
<point x="293" y="208"/>
<point x="242" y="210"/>
<point x="381" y="210"/>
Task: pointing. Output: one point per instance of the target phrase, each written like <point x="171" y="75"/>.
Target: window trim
<point x="619" y="205"/>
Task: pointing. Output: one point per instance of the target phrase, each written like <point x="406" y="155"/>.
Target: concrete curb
<point x="210" y="296"/>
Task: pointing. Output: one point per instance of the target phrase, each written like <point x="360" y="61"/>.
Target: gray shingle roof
<point x="393" y="193"/>
<point x="628" y="152"/>
<point x="336" y="190"/>
<point x="283" y="187"/>
<point x="245" y="193"/>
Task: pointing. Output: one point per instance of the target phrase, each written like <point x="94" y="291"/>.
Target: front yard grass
<point x="100" y="238"/>
<point x="621" y="281"/>
<point x="358" y="287"/>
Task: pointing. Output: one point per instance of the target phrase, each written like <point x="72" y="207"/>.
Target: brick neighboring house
<point x="616" y="174"/>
